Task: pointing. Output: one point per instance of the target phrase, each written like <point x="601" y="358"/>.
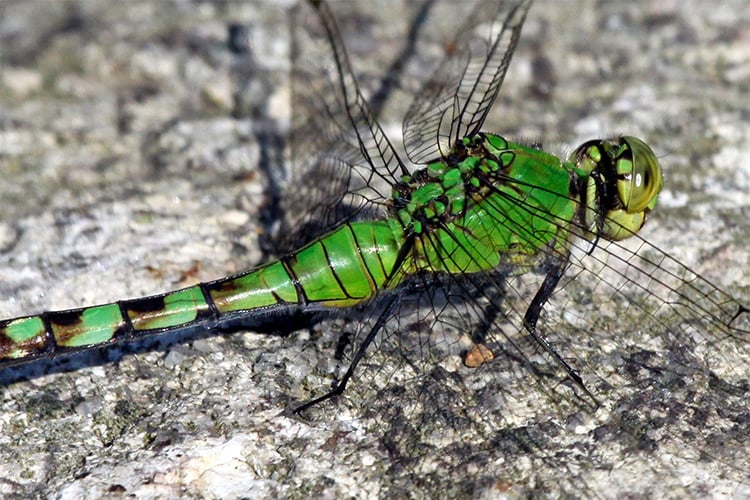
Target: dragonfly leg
<point x="480" y="353"/>
<point x="489" y="315"/>
<point x="490" y="311"/>
<point x="532" y="316"/>
<point x="390" y="306"/>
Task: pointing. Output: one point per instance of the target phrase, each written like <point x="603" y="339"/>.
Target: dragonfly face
<point x="624" y="181"/>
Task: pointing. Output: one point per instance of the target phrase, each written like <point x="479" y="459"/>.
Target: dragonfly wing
<point x="413" y="388"/>
<point x="343" y="163"/>
<point x="661" y="349"/>
<point x="455" y="100"/>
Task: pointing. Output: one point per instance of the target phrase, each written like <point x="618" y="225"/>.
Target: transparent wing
<point x="663" y="351"/>
<point x="455" y="100"/>
<point x="343" y="163"/>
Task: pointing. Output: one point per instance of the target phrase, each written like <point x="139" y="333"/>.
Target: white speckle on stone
<point x="20" y="81"/>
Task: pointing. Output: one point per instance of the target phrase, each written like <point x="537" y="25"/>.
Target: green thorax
<point x="489" y="202"/>
<point x="492" y="202"/>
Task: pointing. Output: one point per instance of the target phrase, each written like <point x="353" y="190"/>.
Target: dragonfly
<point x="479" y="205"/>
<point x="442" y="235"/>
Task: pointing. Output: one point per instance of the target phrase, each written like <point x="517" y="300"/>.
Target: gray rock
<point x="132" y="168"/>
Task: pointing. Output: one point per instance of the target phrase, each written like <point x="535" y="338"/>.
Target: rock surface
<point x="136" y="144"/>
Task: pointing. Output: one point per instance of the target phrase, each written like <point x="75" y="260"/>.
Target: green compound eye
<point x="639" y="176"/>
<point x="631" y="167"/>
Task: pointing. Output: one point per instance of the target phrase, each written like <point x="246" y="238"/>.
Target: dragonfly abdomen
<point x="343" y="268"/>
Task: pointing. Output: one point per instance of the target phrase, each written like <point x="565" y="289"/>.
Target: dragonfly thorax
<point x="434" y="196"/>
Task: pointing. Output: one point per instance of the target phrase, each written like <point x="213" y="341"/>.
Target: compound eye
<point x="639" y="177"/>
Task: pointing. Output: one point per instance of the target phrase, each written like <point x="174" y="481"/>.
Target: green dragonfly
<point x="481" y="207"/>
<point x="445" y="239"/>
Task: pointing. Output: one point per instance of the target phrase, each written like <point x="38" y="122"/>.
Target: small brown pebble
<point x="478" y="355"/>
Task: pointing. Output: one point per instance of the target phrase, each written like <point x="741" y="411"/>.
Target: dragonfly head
<point x="623" y="181"/>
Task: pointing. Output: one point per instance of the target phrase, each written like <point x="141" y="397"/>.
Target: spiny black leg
<point x="495" y="292"/>
<point x="341" y="385"/>
<point x="489" y="315"/>
<point x="532" y="316"/>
